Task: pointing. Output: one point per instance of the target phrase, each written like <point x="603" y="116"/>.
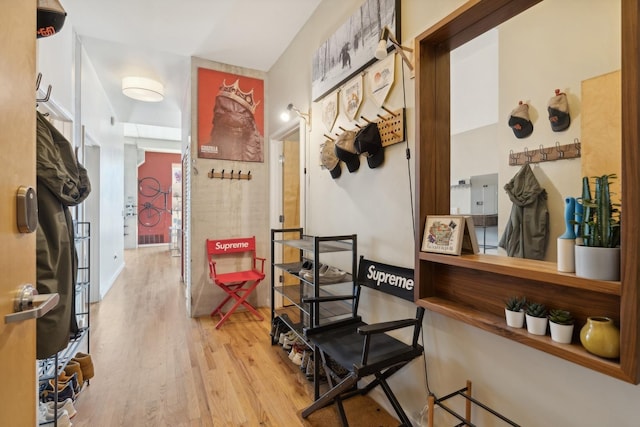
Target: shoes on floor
<point x="86" y="364"/>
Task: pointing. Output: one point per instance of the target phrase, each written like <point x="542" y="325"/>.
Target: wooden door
<point x="291" y="194"/>
<point x="17" y="251"/>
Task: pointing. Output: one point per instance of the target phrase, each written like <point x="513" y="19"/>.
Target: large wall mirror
<point x="556" y="44"/>
<point x="542" y="45"/>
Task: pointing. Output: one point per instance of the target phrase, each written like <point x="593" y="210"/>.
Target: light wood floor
<point x="157" y="367"/>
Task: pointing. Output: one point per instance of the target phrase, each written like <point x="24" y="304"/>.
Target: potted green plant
<point x="514" y="311"/>
<point x="597" y="254"/>
<point x="536" y="314"/>
<point x="561" y="325"/>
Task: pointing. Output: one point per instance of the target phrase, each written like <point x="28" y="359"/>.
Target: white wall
<point x="532" y="387"/>
<point x="88" y="106"/>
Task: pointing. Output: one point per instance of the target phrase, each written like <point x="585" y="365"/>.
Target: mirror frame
<point x="478" y="285"/>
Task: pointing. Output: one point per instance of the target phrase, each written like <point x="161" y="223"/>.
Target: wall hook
<point x="544" y="153"/>
<point x="528" y="154"/>
<point x="559" y="150"/>
<point x="577" y="145"/>
<point x="389" y="111"/>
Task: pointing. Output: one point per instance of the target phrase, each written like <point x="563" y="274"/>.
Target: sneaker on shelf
<point x="332" y="275"/>
<point x="62" y="421"/>
<point x="289" y="340"/>
<point x="46" y="414"/>
<point x="66" y="405"/>
<point x="328" y="274"/>
<point x="297" y="347"/>
<point x="308" y="275"/>
<point x="297" y="359"/>
<point x="306" y="267"/>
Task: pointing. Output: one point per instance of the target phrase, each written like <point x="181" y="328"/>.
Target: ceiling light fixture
<point x="143" y="89"/>
<point x="381" y="51"/>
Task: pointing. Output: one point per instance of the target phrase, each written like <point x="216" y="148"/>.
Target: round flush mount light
<point x="143" y="89"/>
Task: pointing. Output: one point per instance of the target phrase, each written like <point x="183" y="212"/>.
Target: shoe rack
<point x="50" y="368"/>
<point x="289" y="288"/>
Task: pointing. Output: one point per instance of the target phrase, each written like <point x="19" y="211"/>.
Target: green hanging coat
<point x="61" y="182"/>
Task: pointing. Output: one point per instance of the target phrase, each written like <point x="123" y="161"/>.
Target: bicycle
<point x="150" y="214"/>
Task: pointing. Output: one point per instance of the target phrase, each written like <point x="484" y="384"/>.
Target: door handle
<point x="29" y="305"/>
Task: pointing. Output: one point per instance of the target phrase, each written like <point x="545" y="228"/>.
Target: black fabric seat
<point x="351" y="350"/>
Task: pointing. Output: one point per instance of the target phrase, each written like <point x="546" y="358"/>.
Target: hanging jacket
<point x="527" y="232"/>
<point x="61" y="182"/>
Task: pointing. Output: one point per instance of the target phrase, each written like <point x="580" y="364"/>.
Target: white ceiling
<point x="156" y="38"/>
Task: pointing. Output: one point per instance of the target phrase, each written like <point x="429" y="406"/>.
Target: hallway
<point x="157" y="367"/>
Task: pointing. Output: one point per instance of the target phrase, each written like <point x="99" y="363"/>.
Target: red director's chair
<point x="239" y="284"/>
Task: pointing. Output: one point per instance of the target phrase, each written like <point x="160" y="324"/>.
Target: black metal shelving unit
<point x="52" y="367"/>
<point x="295" y="313"/>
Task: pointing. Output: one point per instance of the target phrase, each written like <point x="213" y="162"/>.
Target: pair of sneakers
<point x="286" y="340"/>
<point x="64" y="410"/>
<point x="327" y="275"/>
<point x="307" y="268"/>
<point x="298" y="349"/>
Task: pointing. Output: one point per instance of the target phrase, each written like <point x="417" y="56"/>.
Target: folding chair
<point x="238" y="285"/>
<point x="351" y="350"/>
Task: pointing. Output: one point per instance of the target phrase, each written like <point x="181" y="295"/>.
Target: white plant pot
<point x="515" y="319"/>
<point x="537" y="325"/>
<point x="561" y="333"/>
<point x="598" y="263"/>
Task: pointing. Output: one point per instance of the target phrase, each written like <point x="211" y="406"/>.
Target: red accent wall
<point x="158" y="166"/>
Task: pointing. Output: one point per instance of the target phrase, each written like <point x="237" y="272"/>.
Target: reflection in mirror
<point x="557" y="44"/>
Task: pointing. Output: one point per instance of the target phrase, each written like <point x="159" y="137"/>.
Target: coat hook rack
<point x="542" y="154"/>
<point x="47" y="94"/>
<point x="230" y="176"/>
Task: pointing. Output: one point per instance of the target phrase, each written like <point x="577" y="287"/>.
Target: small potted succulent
<point x="561" y="326"/>
<point x="514" y="311"/>
<point x="536" y="314"/>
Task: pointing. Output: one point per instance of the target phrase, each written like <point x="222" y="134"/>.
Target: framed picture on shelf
<point x="449" y="234"/>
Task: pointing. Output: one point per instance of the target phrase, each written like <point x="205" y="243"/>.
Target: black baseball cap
<point x="369" y="142"/>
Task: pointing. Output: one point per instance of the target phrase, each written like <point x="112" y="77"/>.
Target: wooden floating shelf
<point x="495" y="324"/>
<point x="517" y="267"/>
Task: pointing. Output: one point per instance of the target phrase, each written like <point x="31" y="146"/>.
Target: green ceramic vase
<point x="601" y="337"/>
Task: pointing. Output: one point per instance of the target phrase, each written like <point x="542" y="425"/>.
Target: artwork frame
<point x="352" y="94"/>
<point x="223" y="95"/>
<point x="350" y="49"/>
<point x="449" y="234"/>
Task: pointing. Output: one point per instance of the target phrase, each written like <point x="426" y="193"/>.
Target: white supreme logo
<point x="227" y="246"/>
<point x="389" y="279"/>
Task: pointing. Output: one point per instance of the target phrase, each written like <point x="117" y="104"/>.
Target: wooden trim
<point x="630" y="321"/>
<point x="472" y="289"/>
